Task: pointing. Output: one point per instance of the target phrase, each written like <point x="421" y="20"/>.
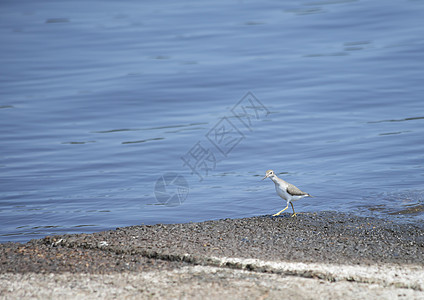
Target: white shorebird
<point x="285" y="190"/>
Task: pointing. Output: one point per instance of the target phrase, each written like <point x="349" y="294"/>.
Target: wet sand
<point x="335" y="255"/>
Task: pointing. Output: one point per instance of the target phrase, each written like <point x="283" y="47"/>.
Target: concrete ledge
<point x="192" y="282"/>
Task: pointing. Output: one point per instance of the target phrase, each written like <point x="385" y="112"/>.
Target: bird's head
<point x="269" y="173"/>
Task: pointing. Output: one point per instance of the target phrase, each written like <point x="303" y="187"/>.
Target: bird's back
<point x="293" y="190"/>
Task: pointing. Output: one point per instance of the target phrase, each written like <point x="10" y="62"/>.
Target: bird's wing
<point x="294" y="191"/>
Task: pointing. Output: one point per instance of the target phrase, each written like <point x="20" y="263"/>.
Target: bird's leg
<point x="294" y="214"/>
<point x="277" y="214"/>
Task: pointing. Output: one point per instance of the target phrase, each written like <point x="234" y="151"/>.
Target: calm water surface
<point x="99" y="99"/>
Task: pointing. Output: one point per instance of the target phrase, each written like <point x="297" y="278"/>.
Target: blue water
<point x="100" y="99"/>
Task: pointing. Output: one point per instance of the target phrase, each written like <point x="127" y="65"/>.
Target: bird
<point x="285" y="190"/>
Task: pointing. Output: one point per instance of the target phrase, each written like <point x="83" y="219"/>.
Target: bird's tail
<point x="311" y="196"/>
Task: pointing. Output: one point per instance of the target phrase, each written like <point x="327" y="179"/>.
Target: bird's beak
<point x="266" y="176"/>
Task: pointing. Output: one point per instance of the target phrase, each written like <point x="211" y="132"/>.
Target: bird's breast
<point x="281" y="192"/>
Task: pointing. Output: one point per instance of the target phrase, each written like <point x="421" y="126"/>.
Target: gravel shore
<point x="324" y="255"/>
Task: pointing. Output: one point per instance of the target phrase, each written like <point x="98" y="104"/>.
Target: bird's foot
<point x="277" y="214"/>
<point x="294" y="215"/>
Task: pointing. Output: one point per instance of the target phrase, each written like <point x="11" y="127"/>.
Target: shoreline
<point x="327" y="249"/>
